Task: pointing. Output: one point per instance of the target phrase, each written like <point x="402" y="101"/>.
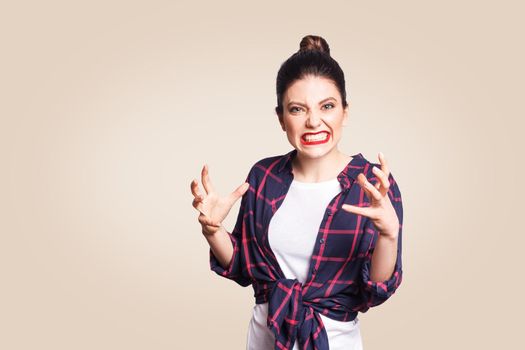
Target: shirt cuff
<point x="381" y="289"/>
<point x="233" y="270"/>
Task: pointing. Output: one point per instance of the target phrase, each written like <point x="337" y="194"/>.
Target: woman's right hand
<point x="213" y="208"/>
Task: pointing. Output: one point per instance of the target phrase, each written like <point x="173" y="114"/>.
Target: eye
<point x="329" y="104"/>
<point x="295" y="109"/>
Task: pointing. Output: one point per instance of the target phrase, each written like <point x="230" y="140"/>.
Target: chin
<point x="313" y="153"/>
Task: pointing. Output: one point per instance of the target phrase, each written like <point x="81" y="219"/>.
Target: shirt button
<point x="314" y="271"/>
<point x="321" y="240"/>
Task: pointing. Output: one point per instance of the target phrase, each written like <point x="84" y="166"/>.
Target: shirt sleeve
<point x="377" y="292"/>
<point x="236" y="271"/>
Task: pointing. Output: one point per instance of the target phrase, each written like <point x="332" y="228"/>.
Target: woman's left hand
<point x="380" y="210"/>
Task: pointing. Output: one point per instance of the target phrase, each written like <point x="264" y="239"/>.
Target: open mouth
<point x="315" y="139"/>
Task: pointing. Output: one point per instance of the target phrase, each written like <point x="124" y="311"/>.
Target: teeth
<point x="318" y="137"/>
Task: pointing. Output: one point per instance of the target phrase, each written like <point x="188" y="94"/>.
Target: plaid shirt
<point x="338" y="283"/>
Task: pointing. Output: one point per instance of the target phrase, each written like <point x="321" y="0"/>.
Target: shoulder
<point x="267" y="167"/>
<point x="270" y="164"/>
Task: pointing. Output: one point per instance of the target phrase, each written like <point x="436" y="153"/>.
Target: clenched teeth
<point x="317" y="137"/>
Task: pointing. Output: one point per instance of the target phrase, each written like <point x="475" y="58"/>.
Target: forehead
<point x="311" y="89"/>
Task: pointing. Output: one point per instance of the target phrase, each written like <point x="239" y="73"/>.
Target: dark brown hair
<point x="313" y="58"/>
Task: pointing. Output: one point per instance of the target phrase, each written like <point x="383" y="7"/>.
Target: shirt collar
<point x="352" y="169"/>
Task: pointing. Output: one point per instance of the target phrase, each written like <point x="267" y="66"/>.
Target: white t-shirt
<point x="292" y="233"/>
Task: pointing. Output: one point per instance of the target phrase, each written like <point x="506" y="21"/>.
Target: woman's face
<point x="313" y="116"/>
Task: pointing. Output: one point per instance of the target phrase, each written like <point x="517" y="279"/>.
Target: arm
<point x="224" y="254"/>
<point x="221" y="246"/>
<point x="383" y="223"/>
<point x="228" y="262"/>
<point x="382" y="270"/>
<point x="384" y="258"/>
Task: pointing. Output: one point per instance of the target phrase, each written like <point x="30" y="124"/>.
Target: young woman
<point x="318" y="234"/>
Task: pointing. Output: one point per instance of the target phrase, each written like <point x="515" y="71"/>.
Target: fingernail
<point x="381" y="154"/>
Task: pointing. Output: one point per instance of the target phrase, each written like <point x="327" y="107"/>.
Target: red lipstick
<point x="317" y="142"/>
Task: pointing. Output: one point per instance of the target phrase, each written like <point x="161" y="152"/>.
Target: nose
<point x="313" y="121"/>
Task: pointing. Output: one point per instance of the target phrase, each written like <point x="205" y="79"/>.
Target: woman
<point x="318" y="234"/>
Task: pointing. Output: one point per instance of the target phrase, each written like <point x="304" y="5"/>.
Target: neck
<point x="319" y="169"/>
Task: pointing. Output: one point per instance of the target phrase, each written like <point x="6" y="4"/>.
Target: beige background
<point x="110" y="108"/>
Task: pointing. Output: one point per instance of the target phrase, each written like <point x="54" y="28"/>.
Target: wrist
<point x="391" y="235"/>
<point x="210" y="231"/>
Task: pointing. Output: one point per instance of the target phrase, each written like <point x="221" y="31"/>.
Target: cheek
<point x="290" y="132"/>
<point x="292" y="129"/>
<point x="339" y="121"/>
<point x="336" y="124"/>
<point x="337" y="131"/>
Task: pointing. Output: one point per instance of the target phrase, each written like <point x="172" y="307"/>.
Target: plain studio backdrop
<point x="110" y="108"/>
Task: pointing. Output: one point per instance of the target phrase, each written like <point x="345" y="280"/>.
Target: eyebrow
<point x="302" y="104"/>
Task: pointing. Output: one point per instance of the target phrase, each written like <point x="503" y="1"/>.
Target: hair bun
<point x="314" y="42"/>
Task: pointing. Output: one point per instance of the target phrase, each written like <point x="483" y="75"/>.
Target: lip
<point x="304" y="142"/>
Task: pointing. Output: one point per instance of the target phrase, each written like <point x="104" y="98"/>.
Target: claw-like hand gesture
<point x="213" y="209"/>
<point x="380" y="210"/>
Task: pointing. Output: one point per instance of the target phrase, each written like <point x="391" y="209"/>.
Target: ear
<point x="281" y="121"/>
<point x="345" y="115"/>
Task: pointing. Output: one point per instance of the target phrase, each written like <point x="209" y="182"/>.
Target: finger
<point x="365" y="211"/>
<point x="198" y="205"/>
<point x="382" y="181"/>
<point x="204" y="220"/>
<point x="371" y="191"/>
<point x="206" y="181"/>
<point x="384" y="164"/>
<point x="239" y="191"/>
<point x="361" y="180"/>
<point x="377" y="184"/>
<point x="196" y="191"/>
